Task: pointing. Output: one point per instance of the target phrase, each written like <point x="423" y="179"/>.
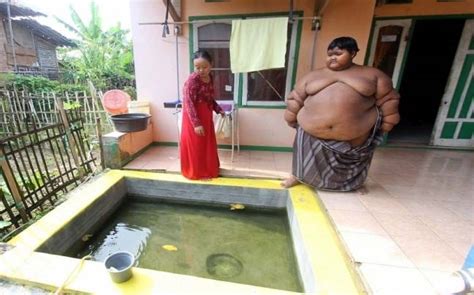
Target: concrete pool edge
<point x="329" y="264"/>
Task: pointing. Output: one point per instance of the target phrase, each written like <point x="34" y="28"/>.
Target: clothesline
<point x="222" y="19"/>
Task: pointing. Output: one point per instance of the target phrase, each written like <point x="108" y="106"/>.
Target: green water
<point x="242" y="246"/>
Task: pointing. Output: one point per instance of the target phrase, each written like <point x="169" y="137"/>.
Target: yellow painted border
<point x="331" y="268"/>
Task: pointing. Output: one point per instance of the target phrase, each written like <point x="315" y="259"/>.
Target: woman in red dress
<point x="198" y="149"/>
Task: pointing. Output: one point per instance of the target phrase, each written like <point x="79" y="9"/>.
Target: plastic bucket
<point x="119" y="265"/>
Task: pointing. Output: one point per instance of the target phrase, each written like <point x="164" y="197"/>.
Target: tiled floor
<point x="407" y="229"/>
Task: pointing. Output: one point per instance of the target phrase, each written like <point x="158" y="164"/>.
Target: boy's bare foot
<point x="289" y="182"/>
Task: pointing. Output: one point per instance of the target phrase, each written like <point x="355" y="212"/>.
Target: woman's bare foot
<point x="289" y="181"/>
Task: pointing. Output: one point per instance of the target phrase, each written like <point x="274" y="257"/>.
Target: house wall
<point x="3" y="54"/>
<point x="155" y="58"/>
<point x="30" y="50"/>
<point x="340" y="19"/>
<point x="46" y="52"/>
<point x="425" y="8"/>
<point x="25" y="52"/>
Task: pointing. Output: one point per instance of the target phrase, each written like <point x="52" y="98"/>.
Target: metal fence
<point x="45" y="150"/>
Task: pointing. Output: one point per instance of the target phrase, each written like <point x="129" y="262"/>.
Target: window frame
<point x="289" y="74"/>
<point x="240" y="90"/>
<point x="195" y="47"/>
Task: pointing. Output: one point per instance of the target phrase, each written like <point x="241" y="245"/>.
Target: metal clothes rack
<point x="314" y="18"/>
<point x="230" y="110"/>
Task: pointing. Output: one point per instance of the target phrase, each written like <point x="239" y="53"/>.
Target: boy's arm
<point x="295" y="101"/>
<point x="387" y="99"/>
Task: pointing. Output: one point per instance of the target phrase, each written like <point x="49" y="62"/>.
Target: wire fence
<point x="18" y="110"/>
<point x="47" y="147"/>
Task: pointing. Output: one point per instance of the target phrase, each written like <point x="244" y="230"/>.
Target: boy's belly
<point x="338" y="112"/>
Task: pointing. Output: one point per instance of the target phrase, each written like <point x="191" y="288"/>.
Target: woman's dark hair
<point x="202" y="54"/>
<point x="348" y="43"/>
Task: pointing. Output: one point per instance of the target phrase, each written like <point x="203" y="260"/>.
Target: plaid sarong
<point x="332" y="164"/>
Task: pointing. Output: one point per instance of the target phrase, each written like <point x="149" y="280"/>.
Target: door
<point x="388" y="47"/>
<point x="455" y="121"/>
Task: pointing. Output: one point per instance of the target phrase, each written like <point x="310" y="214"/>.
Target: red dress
<point x="199" y="159"/>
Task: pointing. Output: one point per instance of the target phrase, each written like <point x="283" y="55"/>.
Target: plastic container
<point x="119" y="265"/>
<point x="131" y="122"/>
<point x="115" y="101"/>
<point x="139" y="106"/>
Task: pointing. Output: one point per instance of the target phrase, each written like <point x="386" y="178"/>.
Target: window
<point x="270" y="87"/>
<point x="215" y="39"/>
<point x="261" y="88"/>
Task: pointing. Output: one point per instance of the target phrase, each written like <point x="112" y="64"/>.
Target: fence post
<point x="12" y="185"/>
<point x="70" y="139"/>
<point x="101" y="144"/>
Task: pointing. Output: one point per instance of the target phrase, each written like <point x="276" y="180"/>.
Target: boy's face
<point x="339" y="59"/>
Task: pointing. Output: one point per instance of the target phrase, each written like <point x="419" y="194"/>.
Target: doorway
<point x="427" y="66"/>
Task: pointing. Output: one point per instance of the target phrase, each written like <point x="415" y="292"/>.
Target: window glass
<point x="215" y="38"/>
<point x="269" y="85"/>
<point x="266" y="87"/>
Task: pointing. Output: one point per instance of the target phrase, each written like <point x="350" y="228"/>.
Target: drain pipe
<point x="177" y="112"/>
<point x="177" y="30"/>
<point x="319" y="7"/>
<point x="315" y="26"/>
<point x="290" y="14"/>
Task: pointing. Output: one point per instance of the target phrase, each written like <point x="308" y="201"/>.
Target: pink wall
<point x="155" y="63"/>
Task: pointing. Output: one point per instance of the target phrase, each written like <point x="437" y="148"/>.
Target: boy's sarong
<point x="331" y="164"/>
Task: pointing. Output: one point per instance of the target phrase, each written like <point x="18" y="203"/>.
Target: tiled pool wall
<point x="322" y="265"/>
<point x="69" y="238"/>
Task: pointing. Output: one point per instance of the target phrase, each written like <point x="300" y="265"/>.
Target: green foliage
<point x="5" y="189"/>
<point x="103" y="57"/>
<point x="132" y="91"/>
<point x="32" y="183"/>
<point x="71" y="105"/>
<point x="4" y="224"/>
<point x="35" y="181"/>
<point x="37" y="84"/>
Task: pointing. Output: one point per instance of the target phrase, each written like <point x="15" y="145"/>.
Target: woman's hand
<point x="199" y="130"/>
<point x="222" y="113"/>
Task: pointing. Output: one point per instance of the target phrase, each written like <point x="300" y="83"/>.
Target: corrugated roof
<point x="44" y="32"/>
<point x="17" y="10"/>
<point x="23" y="16"/>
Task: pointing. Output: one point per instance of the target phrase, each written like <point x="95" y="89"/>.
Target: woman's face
<point x="202" y="67"/>
<point x="339" y="59"/>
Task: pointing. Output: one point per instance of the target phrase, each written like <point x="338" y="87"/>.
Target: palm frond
<point x="68" y="26"/>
